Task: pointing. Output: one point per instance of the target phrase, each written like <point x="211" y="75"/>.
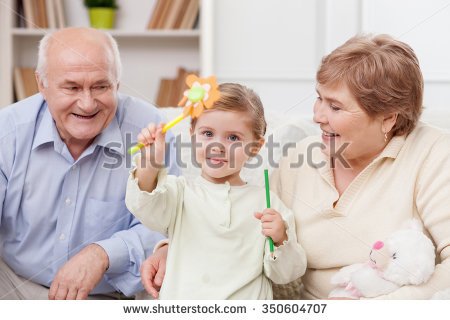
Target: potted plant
<point x="101" y="13"/>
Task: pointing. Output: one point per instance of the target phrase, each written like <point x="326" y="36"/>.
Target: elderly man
<point x="65" y="231"/>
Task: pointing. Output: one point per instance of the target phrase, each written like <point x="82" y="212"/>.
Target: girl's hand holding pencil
<point x="272" y="225"/>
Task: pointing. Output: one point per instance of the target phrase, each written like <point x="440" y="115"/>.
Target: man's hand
<point x="153" y="271"/>
<point x="77" y="278"/>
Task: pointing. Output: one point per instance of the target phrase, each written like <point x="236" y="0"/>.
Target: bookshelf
<point x="148" y="55"/>
<point x="195" y="33"/>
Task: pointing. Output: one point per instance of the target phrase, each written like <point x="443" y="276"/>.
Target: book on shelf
<point x="41" y="14"/>
<point x="174" y="14"/>
<point x="51" y="14"/>
<point x="37" y="14"/>
<point x="156" y="14"/>
<point x="162" y="99"/>
<point x="179" y="86"/>
<point x="171" y="90"/>
<point x="25" y="84"/>
<point x="163" y="13"/>
<point x="190" y="15"/>
<point x="28" y="12"/>
<point x="60" y="15"/>
<point x="181" y="14"/>
<point x="21" y="23"/>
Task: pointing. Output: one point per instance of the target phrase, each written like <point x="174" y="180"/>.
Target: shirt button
<point x="74" y="167"/>
<point x="62" y="236"/>
<point x="68" y="201"/>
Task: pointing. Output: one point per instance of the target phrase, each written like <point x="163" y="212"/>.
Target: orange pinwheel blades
<point x="201" y="95"/>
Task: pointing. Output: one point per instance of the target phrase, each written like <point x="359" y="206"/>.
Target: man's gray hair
<point x="41" y="68"/>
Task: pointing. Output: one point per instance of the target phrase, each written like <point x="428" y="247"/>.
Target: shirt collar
<point x="45" y="130"/>
<point x="393" y="147"/>
<point x="391" y="150"/>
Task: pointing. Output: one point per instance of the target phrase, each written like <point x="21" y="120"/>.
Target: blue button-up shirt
<point x="52" y="206"/>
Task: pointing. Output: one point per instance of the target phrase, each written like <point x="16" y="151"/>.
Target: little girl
<point x="217" y="249"/>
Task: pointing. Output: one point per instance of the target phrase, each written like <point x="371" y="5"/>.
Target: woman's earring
<point x="385" y="133"/>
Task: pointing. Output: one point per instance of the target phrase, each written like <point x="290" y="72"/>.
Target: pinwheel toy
<point x="201" y="95"/>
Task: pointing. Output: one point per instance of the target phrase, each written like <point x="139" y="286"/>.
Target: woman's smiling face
<point x="343" y="121"/>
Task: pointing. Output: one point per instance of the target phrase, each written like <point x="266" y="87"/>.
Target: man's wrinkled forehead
<point x="82" y="55"/>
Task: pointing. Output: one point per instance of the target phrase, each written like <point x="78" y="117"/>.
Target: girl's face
<point x="225" y="141"/>
<point x="342" y="121"/>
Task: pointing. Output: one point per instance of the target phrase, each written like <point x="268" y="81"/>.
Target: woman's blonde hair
<point x="382" y="73"/>
<point x="238" y="98"/>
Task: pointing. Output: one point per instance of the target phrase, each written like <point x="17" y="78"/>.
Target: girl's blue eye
<point x="207" y="133"/>
<point x="233" y="138"/>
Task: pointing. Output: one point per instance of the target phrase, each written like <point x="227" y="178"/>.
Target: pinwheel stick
<point x="173" y="122"/>
<point x="167" y="126"/>
<point x="201" y="94"/>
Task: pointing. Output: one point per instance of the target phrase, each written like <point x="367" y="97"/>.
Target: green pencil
<point x="266" y="180"/>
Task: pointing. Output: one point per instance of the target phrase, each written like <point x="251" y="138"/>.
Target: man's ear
<point x="40" y="84"/>
<point x="389" y="121"/>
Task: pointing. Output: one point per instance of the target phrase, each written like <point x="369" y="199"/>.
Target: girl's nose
<point x="217" y="147"/>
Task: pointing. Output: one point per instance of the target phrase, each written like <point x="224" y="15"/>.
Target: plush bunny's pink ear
<point x="378" y="245"/>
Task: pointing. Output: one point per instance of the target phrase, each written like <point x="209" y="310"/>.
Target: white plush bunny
<point x="407" y="257"/>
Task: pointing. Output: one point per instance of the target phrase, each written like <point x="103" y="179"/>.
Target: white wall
<point x="145" y="59"/>
<point x="425" y="26"/>
<point x="275" y="46"/>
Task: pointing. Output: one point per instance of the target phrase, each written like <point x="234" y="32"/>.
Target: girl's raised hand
<point x="154" y="140"/>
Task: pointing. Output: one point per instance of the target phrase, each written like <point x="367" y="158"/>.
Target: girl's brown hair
<point x="238" y="98"/>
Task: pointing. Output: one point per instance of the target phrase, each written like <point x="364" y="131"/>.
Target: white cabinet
<point x="147" y="55"/>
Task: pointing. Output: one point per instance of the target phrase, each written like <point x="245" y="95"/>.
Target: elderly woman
<point x="377" y="166"/>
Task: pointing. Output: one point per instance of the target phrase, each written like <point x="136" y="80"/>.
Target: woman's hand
<point x="272" y="225"/>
